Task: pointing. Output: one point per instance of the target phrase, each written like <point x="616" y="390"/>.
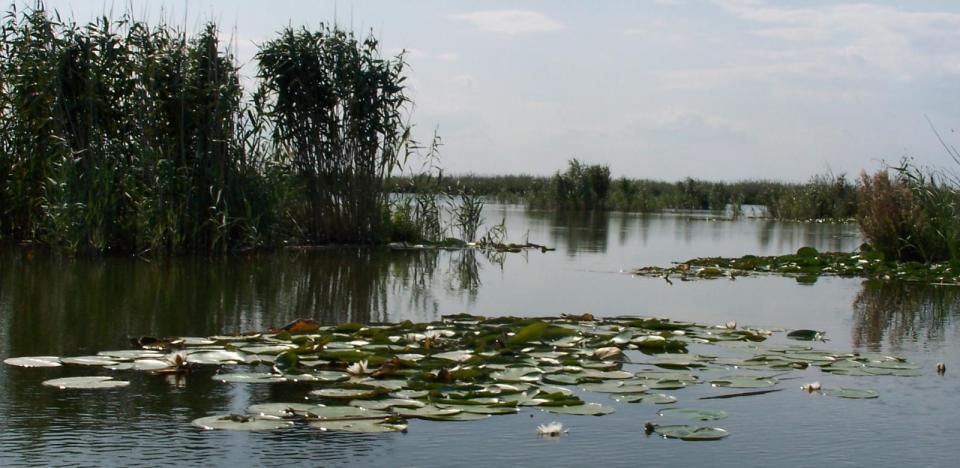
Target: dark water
<point x="66" y="307"/>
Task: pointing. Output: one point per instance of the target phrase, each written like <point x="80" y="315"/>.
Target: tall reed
<point x="338" y="114"/>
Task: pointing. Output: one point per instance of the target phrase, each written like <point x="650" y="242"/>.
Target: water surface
<point x="57" y="306"/>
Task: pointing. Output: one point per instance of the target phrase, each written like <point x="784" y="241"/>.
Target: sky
<point x="661" y="89"/>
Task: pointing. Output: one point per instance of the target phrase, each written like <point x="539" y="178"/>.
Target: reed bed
<point x="120" y="136"/>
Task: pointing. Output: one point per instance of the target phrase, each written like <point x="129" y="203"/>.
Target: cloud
<point x="448" y="57"/>
<point x="510" y="22"/>
<point x="876" y="39"/>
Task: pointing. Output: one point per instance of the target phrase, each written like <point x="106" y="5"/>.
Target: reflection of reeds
<point x="48" y="305"/>
<point x="896" y="312"/>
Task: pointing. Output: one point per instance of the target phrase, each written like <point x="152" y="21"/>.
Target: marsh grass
<point x="122" y="136"/>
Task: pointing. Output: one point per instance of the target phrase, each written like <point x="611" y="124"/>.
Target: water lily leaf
<point x="196" y="341"/>
<point x="131" y="354"/>
<point x="610" y="374"/>
<point x="805" y="335"/>
<point x="648" y="398"/>
<point x="388" y="403"/>
<point x="480" y="409"/>
<point x="427" y="412"/>
<point x="684" y="432"/>
<point x="89" y="361"/>
<point x="614" y="387"/>
<point x="517" y="374"/>
<point x="236" y="338"/>
<point x="461" y="416"/>
<point x="562" y="379"/>
<point x="338" y="412"/>
<point x="241" y="423"/>
<point x="894" y="372"/>
<point x="531" y="332"/>
<point x="587" y="409"/>
<point x="855" y="393"/>
<point x="83" y="383"/>
<point x="151" y="364"/>
<point x="387" y="384"/>
<point x="743" y="382"/>
<point x="361" y="425"/>
<point x="33" y="361"/>
<point x="215" y="357"/>
<point x="456" y="356"/>
<point x="694" y="413"/>
<point x="667" y="384"/>
<point x="409" y="394"/>
<point x="343" y="393"/>
<point x="249" y="377"/>
<point x="282" y="410"/>
<point x="268" y="349"/>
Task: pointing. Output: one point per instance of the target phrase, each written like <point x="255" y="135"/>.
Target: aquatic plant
<point x="337" y="110"/>
<point x="373" y="378"/>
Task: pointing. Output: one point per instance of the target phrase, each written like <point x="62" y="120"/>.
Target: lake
<point x="68" y="307"/>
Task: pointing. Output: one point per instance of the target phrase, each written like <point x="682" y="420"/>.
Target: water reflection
<point x="575" y="231"/>
<point x="903" y="314"/>
<point x="56" y="304"/>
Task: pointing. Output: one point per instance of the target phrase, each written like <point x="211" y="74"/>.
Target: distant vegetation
<point x="590" y="187"/>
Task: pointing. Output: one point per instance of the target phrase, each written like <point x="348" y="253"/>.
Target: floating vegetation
<point x="807" y="265"/>
<point x="375" y="378"/>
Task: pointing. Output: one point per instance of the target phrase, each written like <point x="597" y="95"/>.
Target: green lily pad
<point x="90" y="361"/>
<point x="457" y="356"/>
<point x="249" y="377"/>
<point x="343" y="393"/>
<point x="517" y="374"/>
<point x="387" y="403"/>
<point x="241" y="423"/>
<point x="693" y="413"/>
<point x="651" y="398"/>
<point x="151" y="364"/>
<point x="855" y="393"/>
<point x="33" y="361"/>
<point x="409" y="394"/>
<point x="614" y="387"/>
<point x="480" y="409"/>
<point x="805" y="335"/>
<point x="690" y="433"/>
<point x="587" y="409"/>
<point x="427" y="412"/>
<point x="461" y="416"/>
<point x="281" y="410"/>
<point x="215" y="357"/>
<point x="84" y="383"/>
<point x="743" y="382"/>
<point x="344" y="412"/>
<point x="360" y="425"/>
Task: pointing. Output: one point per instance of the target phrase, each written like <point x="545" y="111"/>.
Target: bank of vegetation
<point x="584" y="186"/>
<point x="128" y="137"/>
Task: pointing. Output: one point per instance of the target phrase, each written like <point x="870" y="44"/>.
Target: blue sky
<point x="663" y="89"/>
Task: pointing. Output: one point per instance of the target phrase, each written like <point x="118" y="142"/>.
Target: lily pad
<point x="854" y="393"/>
<point x="743" y="382"/>
<point x="241" y="423"/>
<point x="387" y="403"/>
<point x="249" y="377"/>
<point x="281" y="410"/>
<point x="360" y="425"/>
<point x="84" y="383"/>
<point x="89" y="361"/>
<point x="614" y="387"/>
<point x="343" y="393"/>
<point x="652" y="398"/>
<point x="684" y="432"/>
<point x="694" y="413"/>
<point x="587" y="409"/>
<point x="33" y="361"/>
<point x="805" y="335"/>
<point x="427" y="412"/>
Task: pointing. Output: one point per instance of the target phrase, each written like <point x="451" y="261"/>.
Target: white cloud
<point x="448" y="57"/>
<point x="511" y="22"/>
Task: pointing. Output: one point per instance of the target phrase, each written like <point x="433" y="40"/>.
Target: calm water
<point x="75" y="307"/>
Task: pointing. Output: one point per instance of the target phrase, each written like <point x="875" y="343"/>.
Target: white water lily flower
<point x="553" y="429"/>
<point x="811" y="387"/>
<point x="731" y="325"/>
<point x="358" y="368"/>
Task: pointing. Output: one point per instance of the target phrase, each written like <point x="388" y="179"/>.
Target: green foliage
<point x="913" y="215"/>
<point x="337" y="110"/>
